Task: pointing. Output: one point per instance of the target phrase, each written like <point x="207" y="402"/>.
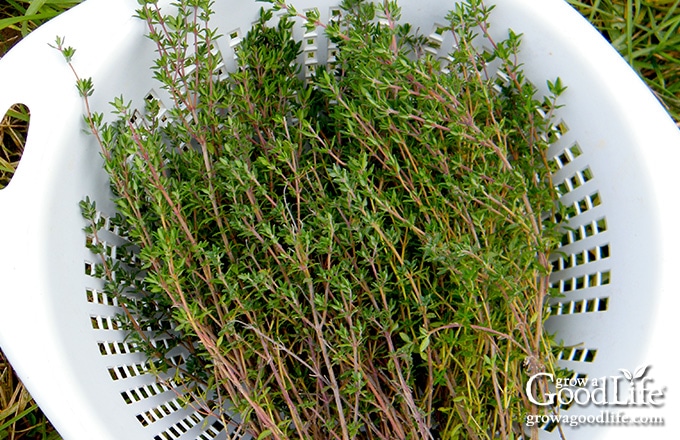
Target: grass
<point x="20" y="417"/>
<point x="26" y="15"/>
<point x="13" y="129"/>
<point x="645" y="32"/>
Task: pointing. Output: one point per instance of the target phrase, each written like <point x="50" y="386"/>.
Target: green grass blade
<point x="64" y="4"/>
<point x="18" y="417"/>
<point x="17" y="6"/>
<point x="11" y="21"/>
<point x="22" y="116"/>
<point x="35" y="6"/>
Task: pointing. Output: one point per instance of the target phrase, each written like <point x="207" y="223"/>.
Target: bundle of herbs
<point x="360" y="255"/>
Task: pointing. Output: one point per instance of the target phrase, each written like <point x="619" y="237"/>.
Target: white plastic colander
<point x="617" y="151"/>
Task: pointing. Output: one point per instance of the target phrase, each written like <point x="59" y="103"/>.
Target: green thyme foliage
<point x="361" y="256"/>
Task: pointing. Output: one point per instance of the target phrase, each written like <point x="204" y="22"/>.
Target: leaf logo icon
<point x="638" y="374"/>
<point x="627" y="374"/>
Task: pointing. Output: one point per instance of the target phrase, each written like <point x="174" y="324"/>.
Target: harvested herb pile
<point x="364" y="255"/>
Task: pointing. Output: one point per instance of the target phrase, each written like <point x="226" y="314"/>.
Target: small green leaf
<point x="424" y="344"/>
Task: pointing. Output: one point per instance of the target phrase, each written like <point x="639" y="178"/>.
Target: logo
<point x="631" y="389"/>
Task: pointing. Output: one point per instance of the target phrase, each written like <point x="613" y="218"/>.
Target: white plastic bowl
<point x="619" y="155"/>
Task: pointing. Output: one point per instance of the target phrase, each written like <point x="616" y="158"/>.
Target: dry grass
<point x="20" y="417"/>
<point x="13" y="129"/>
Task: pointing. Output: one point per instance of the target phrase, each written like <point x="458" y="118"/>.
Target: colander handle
<point x="9" y="97"/>
<point x="33" y="74"/>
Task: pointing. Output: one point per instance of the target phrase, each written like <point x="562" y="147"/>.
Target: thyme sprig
<point x="363" y="255"/>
